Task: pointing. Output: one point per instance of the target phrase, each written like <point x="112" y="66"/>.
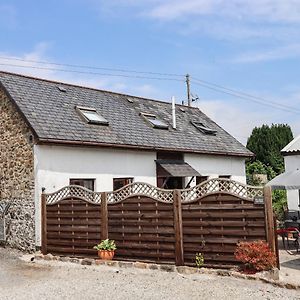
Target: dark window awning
<point x="175" y="169"/>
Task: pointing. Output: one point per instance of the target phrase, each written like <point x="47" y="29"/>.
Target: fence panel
<point x="155" y="225"/>
<point x="215" y="223"/>
<point x="72" y="222"/>
<point x="143" y="229"/>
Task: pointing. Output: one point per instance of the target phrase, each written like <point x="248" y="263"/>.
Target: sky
<point x="252" y="46"/>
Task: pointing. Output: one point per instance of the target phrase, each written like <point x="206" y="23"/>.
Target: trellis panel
<point x="214" y="224"/>
<point x="143" y="229"/>
<point x="73" y="227"/>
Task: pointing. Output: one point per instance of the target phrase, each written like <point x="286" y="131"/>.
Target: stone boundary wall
<point x="17" y="176"/>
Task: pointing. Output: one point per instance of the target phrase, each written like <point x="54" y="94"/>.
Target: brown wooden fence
<point x="155" y="225"/>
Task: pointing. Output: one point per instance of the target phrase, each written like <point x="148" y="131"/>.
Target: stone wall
<point x="17" y="176"/>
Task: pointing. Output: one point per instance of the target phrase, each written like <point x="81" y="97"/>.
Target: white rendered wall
<point x="292" y="163"/>
<point x="213" y="166"/>
<point x="55" y="165"/>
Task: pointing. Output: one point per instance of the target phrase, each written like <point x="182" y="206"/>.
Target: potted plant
<point x="106" y="249"/>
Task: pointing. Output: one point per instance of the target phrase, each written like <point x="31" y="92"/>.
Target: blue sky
<point x="248" y="45"/>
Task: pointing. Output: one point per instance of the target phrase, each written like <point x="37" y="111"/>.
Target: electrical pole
<point x="188" y="89"/>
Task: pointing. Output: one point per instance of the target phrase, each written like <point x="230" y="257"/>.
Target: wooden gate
<point x="155" y="225"/>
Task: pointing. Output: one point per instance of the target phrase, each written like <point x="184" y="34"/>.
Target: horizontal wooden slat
<point x="142" y="215"/>
<point x="70" y="209"/>
<point x="225" y="231"/>
<point x="75" y="222"/>
<point x="147" y="222"/>
<point x="198" y="223"/>
<point x="147" y="246"/>
<point x="168" y="230"/>
<point x="223" y="214"/>
<point x="66" y="228"/>
<point x="145" y="254"/>
<point x="168" y="238"/>
<point x="218" y="207"/>
<point x="73" y="215"/>
<point x="71" y="250"/>
<point x="78" y="235"/>
<point x="144" y="207"/>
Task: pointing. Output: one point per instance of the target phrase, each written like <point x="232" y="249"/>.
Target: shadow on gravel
<point x="292" y="264"/>
<point x="14" y="271"/>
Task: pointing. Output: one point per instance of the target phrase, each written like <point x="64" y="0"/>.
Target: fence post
<point x="104" y="216"/>
<point x="270" y="232"/>
<point x="179" y="255"/>
<point x="44" y="222"/>
<point x="276" y="242"/>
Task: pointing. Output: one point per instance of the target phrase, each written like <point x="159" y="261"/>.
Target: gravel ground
<point x="57" y="280"/>
<point x="289" y="267"/>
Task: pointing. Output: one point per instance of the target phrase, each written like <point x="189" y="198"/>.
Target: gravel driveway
<point x="57" y="280"/>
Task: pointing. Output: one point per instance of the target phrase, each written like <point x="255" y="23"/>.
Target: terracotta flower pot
<point x="106" y="254"/>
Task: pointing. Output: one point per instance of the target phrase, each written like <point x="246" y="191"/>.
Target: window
<point x="155" y="122"/>
<point x="200" y="179"/>
<point x="204" y="129"/>
<point x="224" y="176"/>
<point x="91" y="115"/>
<point x="87" y="183"/>
<point x="120" y="182"/>
<point x="61" y="88"/>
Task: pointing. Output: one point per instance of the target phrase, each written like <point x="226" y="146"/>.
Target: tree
<point x="266" y="143"/>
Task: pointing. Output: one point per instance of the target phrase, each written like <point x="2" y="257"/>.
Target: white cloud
<point x="240" y="120"/>
<point x="288" y="51"/>
<point x="222" y="19"/>
<point x="266" y="10"/>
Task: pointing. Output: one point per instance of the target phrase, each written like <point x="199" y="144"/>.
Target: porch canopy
<point x="176" y="168"/>
<point x="286" y="181"/>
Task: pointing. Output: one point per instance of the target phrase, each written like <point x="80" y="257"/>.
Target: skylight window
<point x="91" y="115"/>
<point x="130" y="100"/>
<point x="61" y="88"/>
<point x="155" y="122"/>
<point x="204" y="129"/>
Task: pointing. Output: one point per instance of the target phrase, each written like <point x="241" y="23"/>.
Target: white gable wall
<point x="292" y="162"/>
<point x="55" y="165"/>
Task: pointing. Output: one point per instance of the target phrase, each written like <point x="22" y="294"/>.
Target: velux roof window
<point x="91" y="115"/>
<point x="204" y="129"/>
<point x="154" y="121"/>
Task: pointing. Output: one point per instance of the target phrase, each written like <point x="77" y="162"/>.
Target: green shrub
<point x="107" y="244"/>
<point x="255" y="255"/>
<point x="199" y="260"/>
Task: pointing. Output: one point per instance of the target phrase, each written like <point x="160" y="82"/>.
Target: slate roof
<point x="52" y="116"/>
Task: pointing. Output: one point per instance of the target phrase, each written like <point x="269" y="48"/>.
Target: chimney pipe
<point x="173" y="113"/>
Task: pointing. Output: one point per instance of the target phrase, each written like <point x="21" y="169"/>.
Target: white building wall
<point x="213" y="166"/>
<point x="55" y="165"/>
<point x="292" y="163"/>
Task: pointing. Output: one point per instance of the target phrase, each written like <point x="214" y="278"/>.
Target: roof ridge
<point x="92" y="88"/>
<point x="290" y="144"/>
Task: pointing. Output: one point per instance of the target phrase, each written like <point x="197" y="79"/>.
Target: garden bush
<point x="255" y="255"/>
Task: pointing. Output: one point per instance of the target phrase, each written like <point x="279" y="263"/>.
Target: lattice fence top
<point x="217" y="185"/>
<point x="140" y="189"/>
<point x="75" y="191"/>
